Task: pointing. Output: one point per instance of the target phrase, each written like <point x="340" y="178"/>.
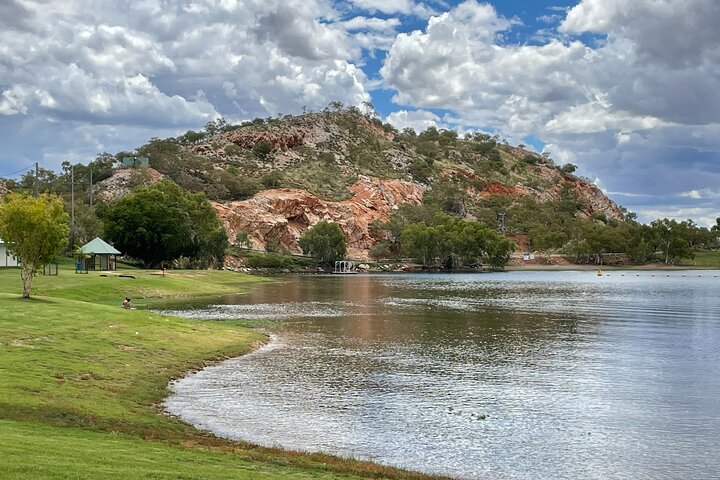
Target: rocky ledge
<point x="276" y="219"/>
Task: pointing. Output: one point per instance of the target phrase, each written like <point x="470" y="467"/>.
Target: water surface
<point x="520" y="375"/>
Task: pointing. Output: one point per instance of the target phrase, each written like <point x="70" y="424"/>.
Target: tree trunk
<point x="26" y="275"/>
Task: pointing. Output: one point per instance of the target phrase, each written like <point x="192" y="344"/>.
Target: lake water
<point x="519" y="375"/>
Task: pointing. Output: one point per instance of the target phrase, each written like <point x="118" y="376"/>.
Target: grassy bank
<point x="81" y="381"/>
<point x="706" y="259"/>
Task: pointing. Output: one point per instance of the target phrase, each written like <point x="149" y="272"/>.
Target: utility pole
<point x="72" y="206"/>
<point x="91" y="199"/>
<point x="37" y="179"/>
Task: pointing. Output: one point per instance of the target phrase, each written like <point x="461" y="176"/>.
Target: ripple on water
<point x="515" y="376"/>
<point x="265" y="311"/>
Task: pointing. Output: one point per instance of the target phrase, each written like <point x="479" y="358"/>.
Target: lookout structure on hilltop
<point x="135" y="162"/>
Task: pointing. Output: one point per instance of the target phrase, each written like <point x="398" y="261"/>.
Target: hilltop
<point x="272" y="178"/>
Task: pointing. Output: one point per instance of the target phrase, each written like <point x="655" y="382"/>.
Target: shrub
<point x="262" y="149"/>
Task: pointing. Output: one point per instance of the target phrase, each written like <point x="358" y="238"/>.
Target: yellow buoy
<point x="599" y="273"/>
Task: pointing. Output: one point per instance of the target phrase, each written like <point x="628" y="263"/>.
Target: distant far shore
<point x="576" y="267"/>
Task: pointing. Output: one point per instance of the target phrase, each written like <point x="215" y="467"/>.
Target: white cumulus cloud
<point x="635" y="106"/>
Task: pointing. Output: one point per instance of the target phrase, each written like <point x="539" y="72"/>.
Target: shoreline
<point x="573" y="267"/>
<point x="105" y="383"/>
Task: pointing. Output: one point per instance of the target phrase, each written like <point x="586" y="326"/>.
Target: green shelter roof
<point x="98" y="245"/>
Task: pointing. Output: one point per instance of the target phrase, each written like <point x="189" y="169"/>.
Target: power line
<point x="7" y="175"/>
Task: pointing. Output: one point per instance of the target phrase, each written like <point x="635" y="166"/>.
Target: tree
<point x="262" y="149"/>
<point x="451" y="241"/>
<point x="242" y="239"/>
<point x="568" y="169"/>
<point x="324" y="241"/>
<point x="35" y="230"/>
<point x="715" y="232"/>
<point x="671" y="239"/>
<point x="162" y="223"/>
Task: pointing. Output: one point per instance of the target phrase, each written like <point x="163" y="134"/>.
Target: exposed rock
<point x="493" y="188"/>
<point x="3" y="189"/>
<point x="279" y="139"/>
<point x="595" y="200"/>
<point x="124" y="180"/>
<point x="279" y="217"/>
<point x="399" y="159"/>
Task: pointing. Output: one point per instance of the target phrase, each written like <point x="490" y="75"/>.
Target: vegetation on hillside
<point x="475" y="178"/>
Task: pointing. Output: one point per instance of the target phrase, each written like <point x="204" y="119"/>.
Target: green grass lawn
<point x="82" y="381"/>
<point x="705" y="258"/>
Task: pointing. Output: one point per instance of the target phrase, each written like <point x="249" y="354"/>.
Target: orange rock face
<point x="279" y="217"/>
<point x="493" y="188"/>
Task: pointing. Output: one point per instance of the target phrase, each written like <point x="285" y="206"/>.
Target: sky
<point x="628" y="90"/>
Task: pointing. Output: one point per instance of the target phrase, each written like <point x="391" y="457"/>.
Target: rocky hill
<point x="273" y="178"/>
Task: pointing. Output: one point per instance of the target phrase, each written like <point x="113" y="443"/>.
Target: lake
<point x="518" y="375"/>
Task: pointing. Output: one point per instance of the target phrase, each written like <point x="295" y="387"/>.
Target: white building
<point x="6" y="259"/>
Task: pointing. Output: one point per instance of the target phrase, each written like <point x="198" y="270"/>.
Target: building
<point x="7" y="259"/>
<point x="96" y="255"/>
<point x="135" y="162"/>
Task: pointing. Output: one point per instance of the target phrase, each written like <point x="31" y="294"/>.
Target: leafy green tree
<point x="242" y="239"/>
<point x="568" y="169"/>
<point x="324" y="241"/>
<point x="161" y="223"/>
<point x="35" y="230"/>
<point x="47" y="182"/>
<point x="451" y="241"/>
<point x="447" y="138"/>
<point x="380" y="251"/>
<point x="671" y="239"/>
<point x="638" y="241"/>
<point x="498" y="249"/>
<point x="422" y="243"/>
<point x="192" y="137"/>
<point x="429" y="134"/>
<point x="570" y="201"/>
<point x="543" y="237"/>
<point x="715" y="233"/>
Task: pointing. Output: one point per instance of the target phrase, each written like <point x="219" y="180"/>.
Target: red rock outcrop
<point x="493" y="188"/>
<point x="279" y="217"/>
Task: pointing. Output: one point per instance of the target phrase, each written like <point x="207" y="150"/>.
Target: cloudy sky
<point x="629" y="90"/>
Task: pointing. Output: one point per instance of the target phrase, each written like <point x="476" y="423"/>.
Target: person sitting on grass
<point x="126" y="303"/>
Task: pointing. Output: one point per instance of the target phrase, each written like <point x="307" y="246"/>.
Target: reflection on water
<point x="520" y="375"/>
